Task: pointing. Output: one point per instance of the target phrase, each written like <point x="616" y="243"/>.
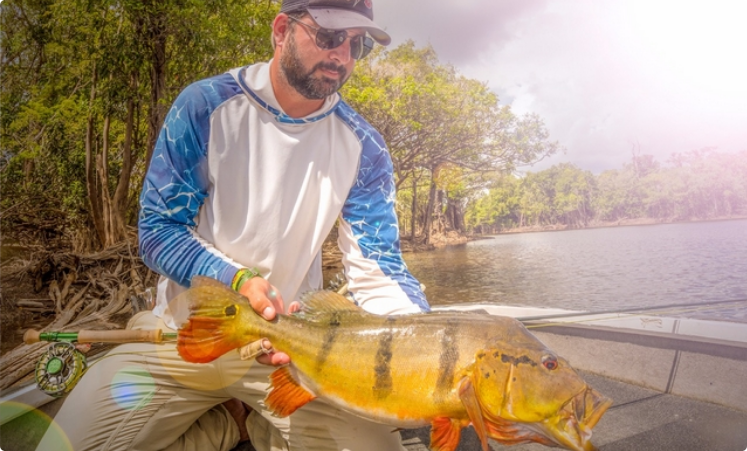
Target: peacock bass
<point x="448" y="370"/>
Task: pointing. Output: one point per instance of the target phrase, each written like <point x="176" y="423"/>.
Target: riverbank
<point x="619" y="223"/>
<point x="332" y="257"/>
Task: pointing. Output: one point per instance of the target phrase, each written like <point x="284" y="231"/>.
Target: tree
<point x="84" y="93"/>
<point x="436" y="122"/>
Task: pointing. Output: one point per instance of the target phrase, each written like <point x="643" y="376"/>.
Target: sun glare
<point x="697" y="44"/>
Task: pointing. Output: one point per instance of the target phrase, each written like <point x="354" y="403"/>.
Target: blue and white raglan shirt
<point x="234" y="182"/>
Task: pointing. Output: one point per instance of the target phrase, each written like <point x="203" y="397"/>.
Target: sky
<point x="609" y="78"/>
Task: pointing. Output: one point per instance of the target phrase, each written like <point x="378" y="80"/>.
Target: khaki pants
<point x="143" y="396"/>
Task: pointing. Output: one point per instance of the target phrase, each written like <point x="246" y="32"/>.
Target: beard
<point x="303" y="81"/>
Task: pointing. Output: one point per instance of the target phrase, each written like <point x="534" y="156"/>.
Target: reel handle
<point x="98" y="336"/>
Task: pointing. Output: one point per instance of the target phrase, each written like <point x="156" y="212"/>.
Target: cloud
<point x="460" y="30"/>
<point x="605" y="76"/>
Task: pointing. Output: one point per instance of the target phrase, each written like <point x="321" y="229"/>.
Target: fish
<point x="448" y="370"/>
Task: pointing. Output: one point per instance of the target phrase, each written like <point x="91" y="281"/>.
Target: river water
<point x="596" y="269"/>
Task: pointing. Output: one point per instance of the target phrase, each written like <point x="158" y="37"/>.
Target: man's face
<point x="313" y="72"/>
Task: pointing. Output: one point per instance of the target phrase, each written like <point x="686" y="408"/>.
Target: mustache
<point x="331" y="67"/>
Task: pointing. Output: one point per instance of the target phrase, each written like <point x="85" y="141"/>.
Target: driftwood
<point x="91" y="291"/>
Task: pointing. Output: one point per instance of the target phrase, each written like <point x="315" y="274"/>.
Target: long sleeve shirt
<point x="235" y="182"/>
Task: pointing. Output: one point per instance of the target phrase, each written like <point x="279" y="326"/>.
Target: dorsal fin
<point x="320" y="302"/>
<point x="204" y="281"/>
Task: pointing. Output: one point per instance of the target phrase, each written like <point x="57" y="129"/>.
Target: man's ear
<point x="280" y="27"/>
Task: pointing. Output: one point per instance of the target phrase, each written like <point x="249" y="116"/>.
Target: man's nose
<point x="342" y="52"/>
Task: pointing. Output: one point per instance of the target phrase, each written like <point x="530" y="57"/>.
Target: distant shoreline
<point x="619" y="223"/>
<point x="455" y="239"/>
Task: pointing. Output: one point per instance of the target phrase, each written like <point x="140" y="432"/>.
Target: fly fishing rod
<point x="62" y="364"/>
<point x="100" y="336"/>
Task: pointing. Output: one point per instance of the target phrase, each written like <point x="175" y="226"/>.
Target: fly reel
<point x="62" y="365"/>
<point x="59" y="368"/>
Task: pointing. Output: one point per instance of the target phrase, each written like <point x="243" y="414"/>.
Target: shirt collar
<point x="255" y="81"/>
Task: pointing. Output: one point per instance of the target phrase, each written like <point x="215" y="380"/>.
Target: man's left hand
<point x="267" y="301"/>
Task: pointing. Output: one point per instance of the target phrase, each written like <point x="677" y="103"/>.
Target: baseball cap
<point x="339" y="15"/>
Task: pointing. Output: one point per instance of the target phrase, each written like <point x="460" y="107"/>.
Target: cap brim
<point x="338" y="19"/>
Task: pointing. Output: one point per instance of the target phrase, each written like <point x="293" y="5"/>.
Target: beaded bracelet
<point x="242" y="275"/>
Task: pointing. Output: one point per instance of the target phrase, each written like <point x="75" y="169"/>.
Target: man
<point x="251" y="171"/>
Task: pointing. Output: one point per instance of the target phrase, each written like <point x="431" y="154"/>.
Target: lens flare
<point x="133" y="388"/>
<point x="27" y="427"/>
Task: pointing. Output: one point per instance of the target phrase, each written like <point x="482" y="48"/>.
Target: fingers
<point x="274" y="359"/>
<point x="255" y="348"/>
<point x="263" y="297"/>
<point x="265" y="354"/>
<point x="266" y="301"/>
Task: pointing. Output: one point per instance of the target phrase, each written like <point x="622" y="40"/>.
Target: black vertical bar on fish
<point x="382" y="366"/>
<point x="329" y="340"/>
<point x="447" y="360"/>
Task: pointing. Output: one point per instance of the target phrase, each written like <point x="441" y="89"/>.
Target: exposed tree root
<point x="66" y="291"/>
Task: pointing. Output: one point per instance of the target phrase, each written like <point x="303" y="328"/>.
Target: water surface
<point x="596" y="269"/>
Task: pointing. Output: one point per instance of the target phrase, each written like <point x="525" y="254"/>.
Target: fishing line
<point x="647" y="398"/>
<point x="633" y="312"/>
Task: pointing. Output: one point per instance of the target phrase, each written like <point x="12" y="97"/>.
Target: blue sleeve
<point x="177" y="184"/>
<point x="370" y="211"/>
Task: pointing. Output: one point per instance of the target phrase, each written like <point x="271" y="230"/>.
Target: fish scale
<point x="448" y="370"/>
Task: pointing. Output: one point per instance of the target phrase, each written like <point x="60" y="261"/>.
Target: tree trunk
<point x="94" y="200"/>
<point x="155" y="34"/>
<point x="414" y="209"/>
<point x="28" y="171"/>
<point x="429" y="210"/>
<point x="113" y="218"/>
<point x="102" y="163"/>
<point x="106" y="213"/>
<point x="454" y="215"/>
<point x="119" y="202"/>
<point x="438" y="213"/>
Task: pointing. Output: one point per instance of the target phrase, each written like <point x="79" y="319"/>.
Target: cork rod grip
<point x="120" y="336"/>
<point x="103" y="336"/>
<point x="31" y="336"/>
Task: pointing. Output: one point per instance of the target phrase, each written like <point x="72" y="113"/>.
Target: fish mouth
<point x="571" y="426"/>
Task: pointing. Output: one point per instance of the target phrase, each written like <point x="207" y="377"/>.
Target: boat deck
<point x="640" y="419"/>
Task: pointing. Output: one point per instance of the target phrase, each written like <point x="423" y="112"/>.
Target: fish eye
<point x="550" y="362"/>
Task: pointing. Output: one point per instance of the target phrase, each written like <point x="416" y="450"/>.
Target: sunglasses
<point x="360" y="45"/>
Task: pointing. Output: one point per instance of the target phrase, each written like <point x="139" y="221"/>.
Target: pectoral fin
<point x="286" y="395"/>
<point x="469" y="399"/>
<point x="445" y="434"/>
<point x="215" y="325"/>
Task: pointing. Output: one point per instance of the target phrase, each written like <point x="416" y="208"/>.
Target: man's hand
<point x="267" y="301"/>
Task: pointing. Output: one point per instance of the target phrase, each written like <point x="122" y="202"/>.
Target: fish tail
<point x="215" y="324"/>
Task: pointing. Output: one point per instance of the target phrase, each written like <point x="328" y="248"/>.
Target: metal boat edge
<point x="699" y="359"/>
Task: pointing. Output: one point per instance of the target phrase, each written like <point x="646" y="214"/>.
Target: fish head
<point x="528" y="393"/>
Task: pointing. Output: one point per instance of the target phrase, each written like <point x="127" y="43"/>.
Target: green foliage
<point x="85" y="86"/>
<point x="71" y="67"/>
<point x="696" y="185"/>
<point x="498" y="208"/>
<point x="447" y="134"/>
